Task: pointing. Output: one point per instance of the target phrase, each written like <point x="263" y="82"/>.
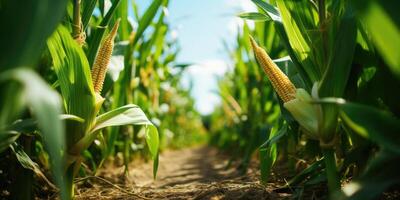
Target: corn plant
<point x="333" y="60"/>
<point x="248" y="111"/>
<point x="78" y="52"/>
<point x="80" y="91"/>
<point x="321" y="39"/>
<point x="23" y="92"/>
<point x="79" y="64"/>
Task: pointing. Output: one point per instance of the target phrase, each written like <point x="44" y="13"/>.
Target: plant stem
<point x="70" y="181"/>
<point x="321" y="11"/>
<point x="331" y="171"/>
<point x="76" y="18"/>
<point x="23" y="185"/>
<point x="322" y="26"/>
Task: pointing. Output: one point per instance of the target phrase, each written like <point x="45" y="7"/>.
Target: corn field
<point x="309" y="108"/>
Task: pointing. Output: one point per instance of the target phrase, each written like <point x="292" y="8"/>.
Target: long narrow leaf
<point x="374" y="124"/>
<point x="125" y="115"/>
<point x="382" y="22"/>
<point x="131" y="115"/>
<point x="46" y="107"/>
<point x="76" y="85"/>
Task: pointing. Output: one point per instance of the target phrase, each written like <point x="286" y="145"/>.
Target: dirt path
<point x="193" y="173"/>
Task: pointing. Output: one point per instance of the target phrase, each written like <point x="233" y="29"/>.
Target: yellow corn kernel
<point x="103" y="58"/>
<point x="281" y="83"/>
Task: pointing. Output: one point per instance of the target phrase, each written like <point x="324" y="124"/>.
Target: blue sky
<point x="201" y="27"/>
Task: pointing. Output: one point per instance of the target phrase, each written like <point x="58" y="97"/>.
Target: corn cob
<point x="281" y="83"/>
<point x="103" y="58"/>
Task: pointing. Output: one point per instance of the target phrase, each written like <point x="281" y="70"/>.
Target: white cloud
<point x="209" y="67"/>
<point x="204" y="78"/>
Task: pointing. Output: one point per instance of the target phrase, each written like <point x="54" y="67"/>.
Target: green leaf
<point x="23" y="126"/>
<point x="71" y="118"/>
<point x="274" y="138"/>
<point x="153" y="143"/>
<point x="336" y="75"/>
<point x="125" y="115"/>
<point x="311" y="170"/>
<point x="7" y="138"/>
<point x="46" y="108"/>
<point x="268" y="152"/>
<point x="88" y="7"/>
<point x="381" y="173"/>
<point x="382" y="22"/>
<point x="376" y="125"/>
<point x="24" y="29"/>
<point x="148" y="46"/>
<point x="73" y="72"/>
<point x="295" y="17"/>
<point x="335" y="78"/>
<point x="254" y="16"/>
<point x="268" y="8"/>
<point x="147" y="18"/>
<point x="27" y="163"/>
<point x="131" y="115"/>
<point x="124" y="26"/>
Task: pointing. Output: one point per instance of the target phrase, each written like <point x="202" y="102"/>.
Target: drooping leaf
<point x="29" y="125"/>
<point x="125" y="115"/>
<point x="46" y="108"/>
<point x="7" y="138"/>
<point x="268" y="8"/>
<point x="27" y="162"/>
<point x="131" y="115"/>
<point x="376" y="125"/>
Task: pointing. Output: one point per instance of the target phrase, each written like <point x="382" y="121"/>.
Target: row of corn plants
<point x="75" y="76"/>
<point x="314" y="88"/>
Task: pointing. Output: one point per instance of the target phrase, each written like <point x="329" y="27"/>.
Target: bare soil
<point x="191" y="173"/>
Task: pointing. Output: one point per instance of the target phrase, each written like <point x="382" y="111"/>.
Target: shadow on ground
<point x="193" y="173"/>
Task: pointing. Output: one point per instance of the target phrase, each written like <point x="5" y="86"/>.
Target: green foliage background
<point x="345" y="54"/>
